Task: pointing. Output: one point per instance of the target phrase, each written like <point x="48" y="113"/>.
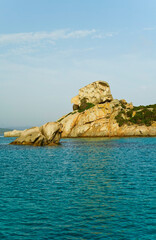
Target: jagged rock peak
<point x="95" y="93"/>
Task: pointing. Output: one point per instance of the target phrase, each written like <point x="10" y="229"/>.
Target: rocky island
<point x="95" y="114"/>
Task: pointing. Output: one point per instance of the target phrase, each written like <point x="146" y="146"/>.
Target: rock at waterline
<point x="48" y="134"/>
<point x="14" y="133"/>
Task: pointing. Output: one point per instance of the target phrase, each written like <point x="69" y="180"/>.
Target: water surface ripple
<point x="82" y="189"/>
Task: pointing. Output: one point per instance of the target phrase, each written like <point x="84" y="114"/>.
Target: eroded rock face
<point x="100" y="121"/>
<point x="48" y="134"/>
<point x="95" y="93"/>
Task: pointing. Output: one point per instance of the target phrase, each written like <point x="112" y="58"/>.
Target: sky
<point x="49" y="49"/>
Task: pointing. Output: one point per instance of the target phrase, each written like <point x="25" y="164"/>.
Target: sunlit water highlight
<point x="82" y="189"/>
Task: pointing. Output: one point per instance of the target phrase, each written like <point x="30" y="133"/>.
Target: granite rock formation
<point x="48" y="134"/>
<point x="95" y="114"/>
<point x="105" y="117"/>
<point x="95" y="93"/>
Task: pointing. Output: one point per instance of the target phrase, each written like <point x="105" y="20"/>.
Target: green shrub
<point x="120" y="120"/>
<point x="123" y="105"/>
<point x="85" y="105"/>
<point x="143" y="116"/>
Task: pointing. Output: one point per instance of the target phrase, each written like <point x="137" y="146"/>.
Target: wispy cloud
<point x="51" y="37"/>
<point x="79" y="33"/>
<point x="32" y="37"/>
<point x="101" y="35"/>
<point x="45" y="43"/>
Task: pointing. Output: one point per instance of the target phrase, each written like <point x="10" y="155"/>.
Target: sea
<point x="85" y="188"/>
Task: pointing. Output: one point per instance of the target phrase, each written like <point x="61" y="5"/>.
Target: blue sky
<point x="49" y="49"/>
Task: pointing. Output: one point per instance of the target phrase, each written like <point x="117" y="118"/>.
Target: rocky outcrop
<point x="96" y="114"/>
<point x="95" y="93"/>
<point x="48" y="134"/>
<point x="14" y="133"/>
<point x="110" y="119"/>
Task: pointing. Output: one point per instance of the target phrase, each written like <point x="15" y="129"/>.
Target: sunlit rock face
<point x="97" y="114"/>
<point x="95" y="93"/>
<point x="48" y="134"/>
<point x="14" y="133"/>
<point x="100" y="121"/>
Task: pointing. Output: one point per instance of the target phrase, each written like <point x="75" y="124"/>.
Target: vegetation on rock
<point x="85" y="105"/>
<point x="141" y="115"/>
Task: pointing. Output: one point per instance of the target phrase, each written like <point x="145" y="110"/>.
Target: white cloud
<point x="51" y="37"/>
<point x="17" y="38"/>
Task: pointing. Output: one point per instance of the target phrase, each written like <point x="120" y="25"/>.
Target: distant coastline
<point x="2" y="130"/>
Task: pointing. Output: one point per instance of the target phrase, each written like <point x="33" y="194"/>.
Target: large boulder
<point x="48" y="134"/>
<point x="51" y="131"/>
<point x="95" y="93"/>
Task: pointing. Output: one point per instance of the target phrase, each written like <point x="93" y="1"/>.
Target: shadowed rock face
<point x="48" y="134"/>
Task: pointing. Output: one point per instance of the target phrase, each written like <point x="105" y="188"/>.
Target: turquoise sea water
<point x="82" y="189"/>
